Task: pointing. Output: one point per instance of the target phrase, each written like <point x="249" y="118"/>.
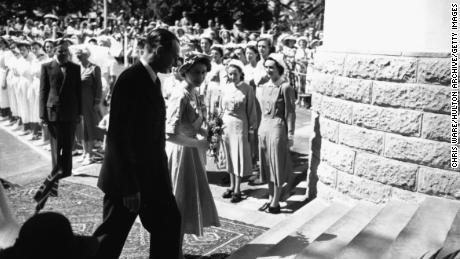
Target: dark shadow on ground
<point x="315" y="159"/>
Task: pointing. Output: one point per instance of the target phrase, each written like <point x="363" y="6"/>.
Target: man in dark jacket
<point x="134" y="175"/>
<point x="60" y="109"/>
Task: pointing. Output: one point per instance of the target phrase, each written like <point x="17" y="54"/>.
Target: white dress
<point x="24" y="85"/>
<point x="4" y="100"/>
<point x="34" y="89"/>
<point x="190" y="184"/>
<point x="11" y="82"/>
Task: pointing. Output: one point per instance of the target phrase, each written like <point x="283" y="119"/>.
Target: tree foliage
<point x="31" y="7"/>
<point x="252" y="12"/>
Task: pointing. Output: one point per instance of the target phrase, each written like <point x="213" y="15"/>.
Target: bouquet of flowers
<point x="215" y="131"/>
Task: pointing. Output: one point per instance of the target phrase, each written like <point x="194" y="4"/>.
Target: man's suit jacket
<point x="135" y="158"/>
<point x="60" y="93"/>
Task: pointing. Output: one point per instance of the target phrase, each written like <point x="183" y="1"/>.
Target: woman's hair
<point x="253" y="49"/>
<point x="278" y="65"/>
<point x="219" y="49"/>
<point x="239" y="70"/>
<point x="192" y="61"/>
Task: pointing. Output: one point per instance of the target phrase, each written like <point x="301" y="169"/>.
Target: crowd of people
<point x="252" y="81"/>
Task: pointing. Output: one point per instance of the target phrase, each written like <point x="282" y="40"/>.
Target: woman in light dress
<point x="34" y="90"/>
<point x="276" y="131"/>
<point x="184" y="122"/>
<point x="240" y="120"/>
<point x="5" y="111"/>
<point x="250" y="70"/>
<point x="24" y="68"/>
<point x="12" y="78"/>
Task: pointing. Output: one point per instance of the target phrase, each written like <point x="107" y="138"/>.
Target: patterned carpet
<point x="83" y="206"/>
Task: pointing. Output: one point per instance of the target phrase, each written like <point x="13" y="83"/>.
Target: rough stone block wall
<point x="384" y="125"/>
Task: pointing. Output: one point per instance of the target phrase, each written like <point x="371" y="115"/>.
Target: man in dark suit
<point x="134" y="175"/>
<point x="60" y="109"/>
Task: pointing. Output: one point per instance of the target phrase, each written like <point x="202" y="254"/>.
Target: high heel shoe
<point x="264" y="207"/>
<point x="227" y="194"/>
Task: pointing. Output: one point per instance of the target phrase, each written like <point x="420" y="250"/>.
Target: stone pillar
<point x="381" y="101"/>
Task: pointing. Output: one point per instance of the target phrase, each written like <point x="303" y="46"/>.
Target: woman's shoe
<point x="236" y="197"/>
<point x="227" y="194"/>
<point x="87" y="161"/>
<point x="264" y="207"/>
<point x="274" y="210"/>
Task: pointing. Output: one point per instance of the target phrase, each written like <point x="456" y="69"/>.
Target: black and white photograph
<point x="239" y="129"/>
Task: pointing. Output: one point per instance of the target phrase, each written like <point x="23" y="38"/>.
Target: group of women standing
<point x="20" y="70"/>
<point x="265" y="111"/>
<point x="20" y="64"/>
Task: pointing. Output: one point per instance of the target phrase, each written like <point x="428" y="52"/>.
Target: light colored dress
<point x="34" y="89"/>
<point x="190" y="184"/>
<point x="277" y="102"/>
<point x="24" y="66"/>
<point x="4" y="100"/>
<point x="11" y="82"/>
<point x="239" y="115"/>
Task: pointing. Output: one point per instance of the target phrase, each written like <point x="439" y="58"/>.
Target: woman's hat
<point x="236" y="63"/>
<point x="286" y="38"/>
<point x="52" y="233"/>
<point x="219" y="48"/>
<point x="279" y="58"/>
<point x="206" y="36"/>
<point x="82" y="51"/>
<point x="302" y="38"/>
<point x="22" y="42"/>
<point x="37" y="42"/>
<point x="224" y="31"/>
<point x="192" y="58"/>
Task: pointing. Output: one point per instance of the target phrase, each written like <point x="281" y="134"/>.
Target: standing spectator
<point x="34" y="89"/>
<point x="60" y="109"/>
<point x="250" y="70"/>
<point x="5" y="111"/>
<point x="91" y="87"/>
<point x="276" y="130"/>
<point x="225" y="35"/>
<point x="24" y="66"/>
<point x="240" y="120"/>
<point x="185" y="20"/>
<point x="205" y="44"/>
<point x="240" y="54"/>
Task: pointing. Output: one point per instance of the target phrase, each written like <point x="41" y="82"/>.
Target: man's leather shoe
<point x="274" y="210"/>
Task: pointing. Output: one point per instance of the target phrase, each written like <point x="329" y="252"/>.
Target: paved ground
<point x="23" y="161"/>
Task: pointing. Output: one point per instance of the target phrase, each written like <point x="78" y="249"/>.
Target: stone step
<point x="268" y="239"/>
<point x="378" y="236"/>
<point x="334" y="239"/>
<point x="304" y="235"/>
<point x="426" y="231"/>
<point x="452" y="242"/>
